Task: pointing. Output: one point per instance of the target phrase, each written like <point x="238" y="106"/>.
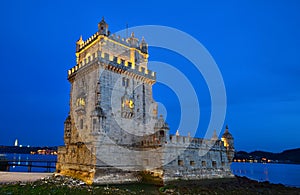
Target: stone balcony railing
<point x="195" y="142"/>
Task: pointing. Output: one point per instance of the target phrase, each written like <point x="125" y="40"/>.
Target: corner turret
<point x="103" y="27"/>
<point x="161" y="129"/>
<point x="144" y="46"/>
<point x="227" y="138"/>
<point x="79" y="43"/>
<point x="214" y="137"/>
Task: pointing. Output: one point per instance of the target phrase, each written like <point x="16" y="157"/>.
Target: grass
<point x="236" y="185"/>
<point x="43" y="189"/>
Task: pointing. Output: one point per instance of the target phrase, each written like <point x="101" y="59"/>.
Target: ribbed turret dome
<point x="226" y="134"/>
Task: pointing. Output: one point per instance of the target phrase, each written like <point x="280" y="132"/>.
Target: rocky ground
<point x="9" y="177"/>
<point x="57" y="184"/>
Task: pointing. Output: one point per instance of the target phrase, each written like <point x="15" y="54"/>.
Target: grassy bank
<point x="64" y="185"/>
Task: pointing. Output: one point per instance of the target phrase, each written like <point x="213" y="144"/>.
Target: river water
<point x="286" y="174"/>
<point x="23" y="157"/>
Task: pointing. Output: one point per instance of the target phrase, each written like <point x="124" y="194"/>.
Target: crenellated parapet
<point x="131" y="42"/>
<point x="96" y="37"/>
<point x="185" y="141"/>
<point x="115" y="64"/>
<point x="121" y="55"/>
<point x="136" y="51"/>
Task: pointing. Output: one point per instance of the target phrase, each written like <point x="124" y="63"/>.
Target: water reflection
<point x="22" y="159"/>
<point x="287" y="174"/>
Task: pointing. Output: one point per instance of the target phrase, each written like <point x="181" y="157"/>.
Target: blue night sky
<point x="256" y="45"/>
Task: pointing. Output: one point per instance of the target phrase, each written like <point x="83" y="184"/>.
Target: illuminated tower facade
<point x="110" y="102"/>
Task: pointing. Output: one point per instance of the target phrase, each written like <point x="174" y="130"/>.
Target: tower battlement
<point x="116" y="63"/>
<point x="123" y="54"/>
<point x="125" y="42"/>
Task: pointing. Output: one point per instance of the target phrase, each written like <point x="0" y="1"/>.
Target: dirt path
<point x="9" y="177"/>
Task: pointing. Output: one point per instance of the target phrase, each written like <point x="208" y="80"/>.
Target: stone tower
<point x="113" y="134"/>
<point x="111" y="104"/>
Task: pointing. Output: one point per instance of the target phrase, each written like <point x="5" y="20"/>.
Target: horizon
<point x="255" y="45"/>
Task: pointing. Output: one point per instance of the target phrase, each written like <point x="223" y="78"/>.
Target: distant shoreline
<point x="28" y="150"/>
<point x="291" y="156"/>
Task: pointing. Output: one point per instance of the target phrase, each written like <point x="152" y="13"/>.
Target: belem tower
<point x="113" y="133"/>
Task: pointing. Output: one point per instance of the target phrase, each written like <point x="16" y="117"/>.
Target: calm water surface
<point x="23" y="157"/>
<point x="287" y="174"/>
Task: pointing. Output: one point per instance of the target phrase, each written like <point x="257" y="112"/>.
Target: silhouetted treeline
<point x="287" y="156"/>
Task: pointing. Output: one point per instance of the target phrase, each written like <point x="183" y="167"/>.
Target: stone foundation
<point x="115" y="176"/>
